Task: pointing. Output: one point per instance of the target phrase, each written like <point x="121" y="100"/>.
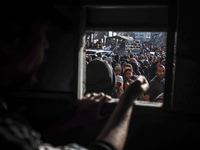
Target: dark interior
<point x="174" y="125"/>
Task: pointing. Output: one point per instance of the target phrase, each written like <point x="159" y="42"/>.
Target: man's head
<point x="158" y="59"/>
<point x="100" y="77"/>
<point x="23" y="40"/>
<point x="160" y="72"/>
<point x="117" y="57"/>
<point x="99" y="54"/>
<point x="22" y="46"/>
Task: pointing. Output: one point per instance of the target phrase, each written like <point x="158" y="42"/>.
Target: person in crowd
<point x="128" y="73"/>
<point x="154" y="65"/>
<point x="145" y="59"/>
<point x="116" y="60"/>
<point x="118" y="69"/>
<point x="145" y="72"/>
<point x="129" y="66"/>
<point x="125" y="58"/>
<point x="131" y="56"/>
<point x="22" y="51"/>
<point x="100" y="77"/>
<point x="134" y="75"/>
<point x="151" y="59"/>
<point x="99" y="56"/>
<point x="109" y="60"/>
<point x="156" y="84"/>
<point x="146" y="68"/>
<point x="128" y="53"/>
<point x="123" y="64"/>
<point x="135" y="66"/>
<point x="94" y="57"/>
<point x="119" y="86"/>
<point x="159" y="64"/>
<point x="88" y="59"/>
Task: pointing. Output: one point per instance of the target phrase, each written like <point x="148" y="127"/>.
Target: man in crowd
<point x="154" y="66"/>
<point x="156" y="84"/>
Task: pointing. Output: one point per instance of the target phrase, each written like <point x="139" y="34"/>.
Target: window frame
<point x="171" y="29"/>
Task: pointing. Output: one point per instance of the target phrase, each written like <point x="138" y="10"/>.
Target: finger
<point x="144" y="83"/>
<point x="108" y="97"/>
<point x="141" y="78"/>
<point x="145" y="86"/>
<point x="98" y="97"/>
<point x="86" y="96"/>
<point x="102" y="94"/>
<point x="105" y="99"/>
<point x="94" y="94"/>
<point x="89" y="96"/>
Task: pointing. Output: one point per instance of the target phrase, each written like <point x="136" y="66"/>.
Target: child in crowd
<point x="119" y="85"/>
<point x="118" y="70"/>
<point x="127" y="77"/>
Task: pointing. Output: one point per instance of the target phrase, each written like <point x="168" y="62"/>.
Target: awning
<point x="123" y="37"/>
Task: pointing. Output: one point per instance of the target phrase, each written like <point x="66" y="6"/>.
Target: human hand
<point x="90" y="106"/>
<point x="136" y="88"/>
<point x="87" y="113"/>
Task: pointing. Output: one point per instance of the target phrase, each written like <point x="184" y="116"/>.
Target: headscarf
<point x="100" y="77"/>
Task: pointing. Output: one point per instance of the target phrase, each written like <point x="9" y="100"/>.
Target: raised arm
<point x="116" y="129"/>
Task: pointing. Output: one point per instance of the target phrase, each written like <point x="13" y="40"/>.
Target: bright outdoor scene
<point x="128" y="55"/>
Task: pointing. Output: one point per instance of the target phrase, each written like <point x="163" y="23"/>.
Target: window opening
<point x="130" y="54"/>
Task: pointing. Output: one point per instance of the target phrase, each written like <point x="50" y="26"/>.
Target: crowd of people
<point x="128" y="67"/>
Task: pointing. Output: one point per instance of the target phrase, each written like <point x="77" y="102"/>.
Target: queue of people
<point x="128" y="67"/>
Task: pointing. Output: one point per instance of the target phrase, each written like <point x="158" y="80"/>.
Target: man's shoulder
<point x="153" y="80"/>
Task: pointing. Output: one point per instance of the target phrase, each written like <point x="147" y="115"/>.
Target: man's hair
<point x="160" y="66"/>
